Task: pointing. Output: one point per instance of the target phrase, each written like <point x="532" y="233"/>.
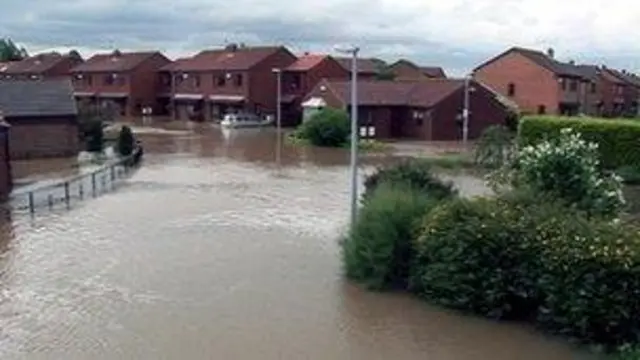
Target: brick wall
<point x="42" y="138"/>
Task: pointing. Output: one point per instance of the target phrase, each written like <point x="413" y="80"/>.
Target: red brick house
<point x="625" y="87"/>
<point x="368" y="68"/>
<point x="43" y="117"/>
<point x="299" y="78"/>
<point x="41" y="66"/>
<point x="406" y="70"/>
<point x="129" y="81"/>
<point x="235" y="78"/>
<point x="423" y="110"/>
<point x="536" y="81"/>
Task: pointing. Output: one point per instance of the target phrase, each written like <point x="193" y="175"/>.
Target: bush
<point x="126" y="141"/>
<point x="617" y="139"/>
<point x="519" y="258"/>
<point x="93" y="133"/>
<point x="328" y="128"/>
<point x="495" y="146"/>
<point x="414" y="173"/>
<point x="567" y="167"/>
<point x="378" y="251"/>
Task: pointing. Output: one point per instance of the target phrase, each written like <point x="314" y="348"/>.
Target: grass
<point x="367" y="145"/>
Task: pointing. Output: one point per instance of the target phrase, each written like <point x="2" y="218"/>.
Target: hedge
<point x="510" y="258"/>
<point x="618" y="139"/>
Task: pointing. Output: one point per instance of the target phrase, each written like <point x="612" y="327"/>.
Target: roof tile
<point x="241" y="58"/>
<point x="35" y="64"/>
<point x="306" y="62"/>
<point x="114" y="62"/>
<point x="37" y="98"/>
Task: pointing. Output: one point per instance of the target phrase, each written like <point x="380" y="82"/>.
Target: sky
<point x="454" y="34"/>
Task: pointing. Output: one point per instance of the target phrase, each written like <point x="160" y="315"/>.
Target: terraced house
<point x="42" y="66"/>
<point x="128" y="82"/>
<point x="231" y="79"/>
<point x="406" y="70"/>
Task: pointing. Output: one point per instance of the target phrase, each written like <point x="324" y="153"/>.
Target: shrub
<point x="567" y="167"/>
<point x="520" y="258"/>
<point x="494" y="147"/>
<point x="94" y="136"/>
<point x="378" y="251"/>
<point x="126" y="141"/>
<point x="414" y="173"/>
<point x="328" y="128"/>
<point x="617" y="139"/>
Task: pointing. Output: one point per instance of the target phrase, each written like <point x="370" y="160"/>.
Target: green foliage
<point x="414" y="173"/>
<point x="9" y="51"/>
<point x="378" y="251"/>
<point x="126" y="141"/>
<point x="91" y="121"/>
<point x="627" y="352"/>
<point x="567" y="167"/>
<point x="521" y="258"/>
<point x="93" y="135"/>
<point x="328" y="128"/>
<point x="617" y="139"/>
<point x="494" y="147"/>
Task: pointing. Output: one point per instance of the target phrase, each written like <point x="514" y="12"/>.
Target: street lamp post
<point x="278" y="73"/>
<point x="465" y="112"/>
<point x="353" y="51"/>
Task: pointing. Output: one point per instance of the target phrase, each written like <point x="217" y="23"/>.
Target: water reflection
<point x="212" y="251"/>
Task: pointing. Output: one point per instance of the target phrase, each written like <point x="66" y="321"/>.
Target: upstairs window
<point x="573" y="85"/>
<point x="238" y="80"/>
<point x="511" y="89"/>
<point x="593" y="88"/>
<point x="221" y="80"/>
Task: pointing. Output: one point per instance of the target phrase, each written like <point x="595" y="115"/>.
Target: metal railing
<point x="70" y="190"/>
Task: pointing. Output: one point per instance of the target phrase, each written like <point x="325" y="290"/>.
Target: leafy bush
<point x="567" y="167"/>
<point x="494" y="147"/>
<point x="328" y="128"/>
<point x="414" y="173"/>
<point x="93" y="134"/>
<point x="378" y="251"/>
<point x="126" y="141"/>
<point x="617" y="139"/>
<point x="516" y="257"/>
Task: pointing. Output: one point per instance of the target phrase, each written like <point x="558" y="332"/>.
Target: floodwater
<point x="215" y="250"/>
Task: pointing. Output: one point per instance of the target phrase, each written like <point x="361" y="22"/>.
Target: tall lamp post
<point x="353" y="51"/>
<point x="468" y="89"/>
<point x="278" y="73"/>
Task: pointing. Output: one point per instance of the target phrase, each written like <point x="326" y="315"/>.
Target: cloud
<point x="456" y="34"/>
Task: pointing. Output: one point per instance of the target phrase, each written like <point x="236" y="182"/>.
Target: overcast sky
<point x="455" y="34"/>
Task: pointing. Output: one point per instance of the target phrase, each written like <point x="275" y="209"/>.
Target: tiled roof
<point x="306" y="62"/>
<point x="37" y="98"/>
<point x="365" y="65"/>
<point x="396" y="93"/>
<point x="627" y="77"/>
<point x="114" y="62"/>
<point x="612" y="77"/>
<point x="542" y="59"/>
<point x="589" y="72"/>
<point x="433" y="71"/>
<point x="241" y="58"/>
<point x="35" y="64"/>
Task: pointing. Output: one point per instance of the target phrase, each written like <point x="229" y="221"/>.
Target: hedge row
<point x="618" y="139"/>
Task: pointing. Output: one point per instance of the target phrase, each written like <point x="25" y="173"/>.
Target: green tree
<point x="126" y="141"/>
<point x="328" y="127"/>
<point x="9" y="51"/>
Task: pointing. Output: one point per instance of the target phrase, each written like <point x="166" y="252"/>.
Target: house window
<point x="89" y="80"/>
<point x="196" y="81"/>
<point x="511" y="89"/>
<point x="108" y="79"/>
<point x="121" y="80"/>
<point x="573" y="85"/>
<point x="238" y="80"/>
<point x="593" y="88"/>
<point x="542" y="109"/>
<point x="220" y="80"/>
<point x="563" y="84"/>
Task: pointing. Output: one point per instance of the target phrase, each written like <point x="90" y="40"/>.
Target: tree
<point x="126" y="141"/>
<point x="9" y="51"/>
<point x="328" y="128"/>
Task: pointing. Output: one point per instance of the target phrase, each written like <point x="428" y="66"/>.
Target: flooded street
<point x="213" y="251"/>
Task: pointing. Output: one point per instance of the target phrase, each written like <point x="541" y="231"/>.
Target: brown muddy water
<point x="213" y="251"/>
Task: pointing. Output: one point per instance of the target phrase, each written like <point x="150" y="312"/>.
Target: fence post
<point x="113" y="172"/>
<point x="32" y="207"/>
<point x="67" y="198"/>
<point x="50" y="201"/>
<point x="93" y="184"/>
<point x="80" y="189"/>
<point x="104" y="182"/>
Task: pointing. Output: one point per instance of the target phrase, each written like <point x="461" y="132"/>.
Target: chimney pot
<point x="551" y="53"/>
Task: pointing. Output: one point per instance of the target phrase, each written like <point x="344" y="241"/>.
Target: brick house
<point x="41" y="66"/>
<point x="626" y="90"/>
<point x="422" y="110"/>
<point x="368" y="68"/>
<point x="406" y="70"/>
<point x="536" y="81"/>
<point x="128" y="81"/>
<point x="6" y="177"/>
<point x="235" y="78"/>
<point x="299" y="78"/>
<point x="43" y="118"/>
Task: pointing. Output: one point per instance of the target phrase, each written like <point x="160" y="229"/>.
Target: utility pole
<point x="278" y="73"/>
<point x="465" y="111"/>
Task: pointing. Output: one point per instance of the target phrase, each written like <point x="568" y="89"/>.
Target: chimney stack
<point x="551" y="53"/>
<point x="572" y="62"/>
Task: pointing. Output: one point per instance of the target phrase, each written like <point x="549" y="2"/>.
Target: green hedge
<point x="618" y="139"/>
<point x="533" y="260"/>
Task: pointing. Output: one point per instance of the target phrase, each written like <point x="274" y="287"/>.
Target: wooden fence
<point x="77" y="188"/>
